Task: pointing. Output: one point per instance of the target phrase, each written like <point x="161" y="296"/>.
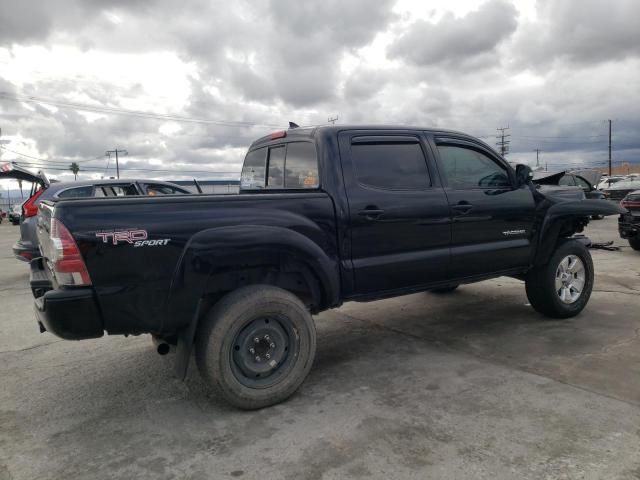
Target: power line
<point x="100" y="169"/>
<point x="45" y="159"/>
<point x="134" y="113"/>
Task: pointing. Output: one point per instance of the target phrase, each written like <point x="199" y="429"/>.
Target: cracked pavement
<point x="472" y="384"/>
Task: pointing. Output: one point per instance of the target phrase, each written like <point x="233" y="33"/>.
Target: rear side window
<point x="291" y="166"/>
<point x="78" y="192"/>
<point x="466" y="168"/>
<point x="389" y="165"/>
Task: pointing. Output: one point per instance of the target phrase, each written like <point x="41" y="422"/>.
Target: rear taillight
<point x="65" y="256"/>
<point x="29" y="208"/>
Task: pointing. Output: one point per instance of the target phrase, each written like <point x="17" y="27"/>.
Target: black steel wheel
<point x="256" y="346"/>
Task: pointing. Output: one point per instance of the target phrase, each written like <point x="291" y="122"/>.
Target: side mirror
<point x="524" y="174"/>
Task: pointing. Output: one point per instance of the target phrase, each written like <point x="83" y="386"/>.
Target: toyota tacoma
<point x="324" y="215"/>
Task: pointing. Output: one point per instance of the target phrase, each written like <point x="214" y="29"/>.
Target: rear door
<point x="491" y="219"/>
<point x="398" y="213"/>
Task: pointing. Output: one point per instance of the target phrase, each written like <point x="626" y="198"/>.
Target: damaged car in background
<point x="629" y="222"/>
<point x="27" y="247"/>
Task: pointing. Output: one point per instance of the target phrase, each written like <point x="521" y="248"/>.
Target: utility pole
<point x="537" y="150"/>
<point x="609" y="147"/>
<point x="116" y="151"/>
<point x="332" y="120"/>
<point x="502" y="143"/>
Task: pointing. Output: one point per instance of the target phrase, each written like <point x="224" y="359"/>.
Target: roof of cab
<point x="310" y="132"/>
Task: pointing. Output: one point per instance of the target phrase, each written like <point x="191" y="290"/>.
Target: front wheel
<point x="256" y="346"/>
<point x="635" y="243"/>
<point x="562" y="287"/>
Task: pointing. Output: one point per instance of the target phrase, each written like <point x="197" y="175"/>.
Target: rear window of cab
<point x="286" y="166"/>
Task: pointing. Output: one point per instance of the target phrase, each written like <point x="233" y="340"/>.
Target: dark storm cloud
<point x="271" y="62"/>
<point x="452" y="40"/>
<point x="581" y="31"/>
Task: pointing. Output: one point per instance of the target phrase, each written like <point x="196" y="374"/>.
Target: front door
<point x="491" y="219"/>
<point x="399" y="220"/>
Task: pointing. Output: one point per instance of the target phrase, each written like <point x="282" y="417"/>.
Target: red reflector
<point x="280" y="134"/>
<point x="29" y="208"/>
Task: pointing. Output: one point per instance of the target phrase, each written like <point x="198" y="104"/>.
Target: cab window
<point x="390" y="165"/>
<point x="254" y="169"/>
<point x="289" y="166"/>
<point x="466" y="168"/>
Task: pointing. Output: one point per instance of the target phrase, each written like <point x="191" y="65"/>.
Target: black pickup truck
<point x="325" y="215"/>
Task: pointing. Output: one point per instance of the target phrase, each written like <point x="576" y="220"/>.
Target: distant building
<point x="217" y="187"/>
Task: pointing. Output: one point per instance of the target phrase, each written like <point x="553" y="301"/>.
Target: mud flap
<point x="185" y="345"/>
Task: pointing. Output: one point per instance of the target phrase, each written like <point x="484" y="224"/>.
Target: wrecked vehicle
<point x="565" y="184"/>
<point x="325" y="215"/>
<point x="629" y="222"/>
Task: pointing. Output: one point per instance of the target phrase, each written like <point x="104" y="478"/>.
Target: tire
<point x="447" y="289"/>
<point x="252" y="374"/>
<point x="597" y="217"/>
<point x="635" y="243"/>
<point x="558" y="296"/>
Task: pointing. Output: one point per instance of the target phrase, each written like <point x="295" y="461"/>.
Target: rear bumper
<point x="25" y="251"/>
<point x="71" y="313"/>
<point x="629" y="226"/>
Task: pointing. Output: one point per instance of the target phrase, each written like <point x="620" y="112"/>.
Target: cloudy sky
<point x="186" y="86"/>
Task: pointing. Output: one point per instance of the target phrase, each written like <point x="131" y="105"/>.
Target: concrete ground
<point x="472" y="384"/>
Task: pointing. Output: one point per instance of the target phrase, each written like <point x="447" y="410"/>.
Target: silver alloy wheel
<point x="570" y="279"/>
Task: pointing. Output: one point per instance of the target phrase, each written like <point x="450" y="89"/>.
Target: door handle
<point x="370" y="213"/>
<point x="462" y="207"/>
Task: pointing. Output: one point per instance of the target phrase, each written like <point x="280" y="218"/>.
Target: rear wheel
<point x="635" y="243"/>
<point x="562" y="287"/>
<point x="256" y="346"/>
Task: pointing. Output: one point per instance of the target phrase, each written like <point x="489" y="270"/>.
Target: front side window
<point x="465" y="168"/>
<point x="390" y="165"/>
<point x="79" y="192"/>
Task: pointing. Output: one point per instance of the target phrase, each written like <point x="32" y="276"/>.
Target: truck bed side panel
<point x="132" y="279"/>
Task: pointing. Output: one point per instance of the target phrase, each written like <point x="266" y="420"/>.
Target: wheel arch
<point x="565" y="219"/>
<point x="219" y="260"/>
